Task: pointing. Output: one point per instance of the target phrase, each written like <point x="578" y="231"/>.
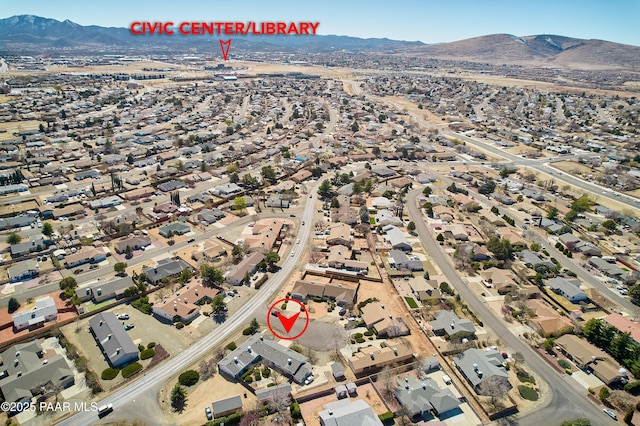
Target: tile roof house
<point x="588" y="357"/>
<point x="184" y="304"/>
<point x="344" y="296"/>
<point x="419" y="397"/>
<point x="625" y="325"/>
<point x="447" y="323"/>
<point x="340" y="234"/>
<point x="479" y="365"/>
<point x="547" y="322"/>
<point x="260" y="348"/>
<point x="501" y="279"/>
<point x="372" y="360"/>
<point x="25" y="373"/>
<point x="115" y="343"/>
<point x="346" y="412"/>
<point x="44" y="310"/>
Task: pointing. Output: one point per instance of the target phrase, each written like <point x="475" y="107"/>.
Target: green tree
<point x="68" y="282"/>
<point x="609" y="224"/>
<point x="440" y="237"/>
<point x="128" y="252"/>
<point x="211" y="276"/>
<point x="619" y="346"/>
<point x="120" y="267"/>
<point x="272" y="258"/>
<point x="552" y="213"/>
<point x="325" y="190"/>
<point x="364" y="215"/>
<point x="178" y="397"/>
<point x="268" y="174"/>
<point x="582" y="204"/>
<point x="411" y="227"/>
<point x="239" y="204"/>
<point x="549" y="344"/>
<point x="14" y="238"/>
<point x="218" y="306"/>
<point x="427" y="190"/>
<point x="592" y="329"/>
<point x="428" y="209"/>
<point x="634" y="293"/>
<point x="445" y="288"/>
<point x="185" y="276"/>
<point x="13" y="305"/>
<point x="604" y="393"/>
<point x="500" y="247"/>
<point x="47" y="229"/>
<point x="234" y="178"/>
<point x="335" y="203"/>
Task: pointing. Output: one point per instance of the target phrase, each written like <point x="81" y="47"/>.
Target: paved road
<point x="567" y="400"/>
<point x="543" y="167"/>
<point x="128" y="394"/>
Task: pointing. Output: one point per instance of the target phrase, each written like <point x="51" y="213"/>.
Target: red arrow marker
<point x="287" y="323"/>
<point x="224" y="46"/>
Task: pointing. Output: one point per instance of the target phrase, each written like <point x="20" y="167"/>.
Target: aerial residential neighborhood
<point x="320" y="237"/>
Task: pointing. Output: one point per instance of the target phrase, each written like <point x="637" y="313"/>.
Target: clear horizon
<point x="411" y="20"/>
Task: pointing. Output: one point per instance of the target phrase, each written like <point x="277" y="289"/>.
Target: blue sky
<point x="429" y="21"/>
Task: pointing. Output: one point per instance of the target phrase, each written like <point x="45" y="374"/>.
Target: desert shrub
<point x="232" y="346"/>
<point x="109" y="373"/>
<point x="147" y="353"/>
<point x="151" y="345"/>
<point x="189" y="378"/>
<point x="131" y="369"/>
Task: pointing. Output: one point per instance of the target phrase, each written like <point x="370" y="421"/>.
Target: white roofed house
<point x="396" y="238"/>
<point x="477" y="366"/>
<point x="45" y="310"/>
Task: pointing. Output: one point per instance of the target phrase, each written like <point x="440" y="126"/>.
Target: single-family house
<point x="114" y="341"/>
<point x="477" y="366"/>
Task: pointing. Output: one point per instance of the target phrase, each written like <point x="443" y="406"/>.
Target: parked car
<point x="610" y="413"/>
<point x="342" y="312"/>
<point x="207" y="411"/>
<point x="123" y="316"/>
<point x="129" y="327"/>
<point x="292" y="215"/>
<point x="190" y="240"/>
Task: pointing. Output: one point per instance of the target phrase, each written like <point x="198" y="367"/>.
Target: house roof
<point x="580" y="349"/>
<point x="111" y="336"/>
<point x="247" y="264"/>
<point x="451" y="323"/>
<point x="569" y="288"/>
<point x="373" y="313"/>
<point x="473" y="361"/>
<point x="382" y="356"/>
<point x="24" y="358"/>
<point x="288" y="361"/>
<point x="19" y="268"/>
<point x="346" y="412"/>
<point x="83" y="254"/>
<point x="268" y="393"/>
<point x="420" y="396"/>
<point x="396" y="237"/>
<point x="547" y="319"/>
<point x="625" y="325"/>
<point x="227" y="404"/>
<point x="44" y="307"/>
<point x="184" y="302"/>
<point x="165" y="268"/>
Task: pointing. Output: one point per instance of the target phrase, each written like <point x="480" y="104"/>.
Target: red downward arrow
<point x="224" y="46"/>
<point x="287" y="323"/>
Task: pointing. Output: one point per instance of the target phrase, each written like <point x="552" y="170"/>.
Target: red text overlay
<point x="225" y="28"/>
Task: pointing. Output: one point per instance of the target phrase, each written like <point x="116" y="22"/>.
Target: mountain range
<point x="33" y="34"/>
